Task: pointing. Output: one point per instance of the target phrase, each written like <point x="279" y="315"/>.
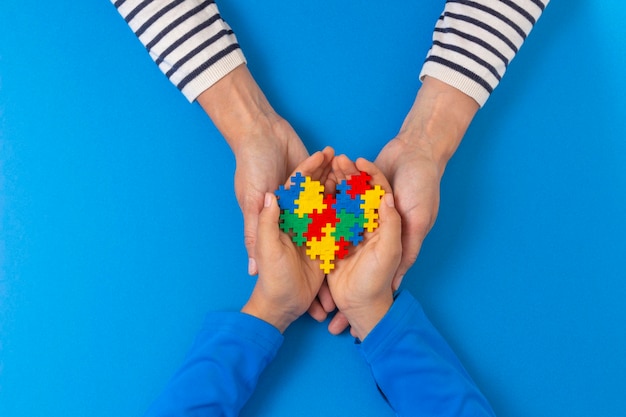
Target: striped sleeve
<point x="475" y="40"/>
<point x="188" y="39"/>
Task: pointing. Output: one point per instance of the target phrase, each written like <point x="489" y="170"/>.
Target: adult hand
<point x="264" y="159"/>
<point x="415" y="178"/>
<point x="266" y="147"/>
<point x="415" y="160"/>
<point x="288" y="279"/>
<point x="360" y="284"/>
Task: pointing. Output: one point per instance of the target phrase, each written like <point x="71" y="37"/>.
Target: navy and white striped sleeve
<point x="188" y="39"/>
<point x="475" y="40"/>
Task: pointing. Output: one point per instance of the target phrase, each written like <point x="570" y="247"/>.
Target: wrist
<point x="238" y="107"/>
<point x="268" y="314"/>
<point x="438" y="120"/>
<point x="363" y="319"/>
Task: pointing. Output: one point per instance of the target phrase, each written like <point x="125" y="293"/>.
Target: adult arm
<point x="474" y="41"/>
<point x="199" y="53"/>
<point x="416" y="369"/>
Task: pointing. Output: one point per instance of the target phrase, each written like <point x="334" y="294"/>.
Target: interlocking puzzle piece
<point x="328" y="238"/>
<point x="324" y="249"/>
<point x="343" y="228"/>
<point x="291" y="222"/>
<point x="342" y="252"/>
<point x="328" y="216"/>
<point x="297" y="180"/>
<point x="287" y="196"/>
<point x="359" y="184"/>
<point x="357" y="234"/>
<point x="349" y="204"/>
<point x="371" y="203"/>
<point x="371" y="198"/>
<point x="343" y="187"/>
<point x="310" y="198"/>
<point x="371" y="222"/>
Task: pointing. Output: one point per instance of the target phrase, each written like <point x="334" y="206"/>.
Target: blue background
<point x="120" y="228"/>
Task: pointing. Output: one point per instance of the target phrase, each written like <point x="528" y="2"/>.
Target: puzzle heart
<point x="328" y="224"/>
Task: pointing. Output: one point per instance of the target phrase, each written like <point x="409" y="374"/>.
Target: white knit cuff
<point x="213" y="74"/>
<point x="455" y="79"/>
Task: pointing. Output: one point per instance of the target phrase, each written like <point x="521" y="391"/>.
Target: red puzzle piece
<point x="359" y="184"/>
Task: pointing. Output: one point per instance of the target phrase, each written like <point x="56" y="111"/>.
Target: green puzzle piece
<point x="345" y="224"/>
<point x="291" y="222"/>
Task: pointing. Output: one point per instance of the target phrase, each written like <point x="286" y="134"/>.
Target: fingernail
<point x="251" y="266"/>
<point x="389" y="200"/>
<point x="268" y="200"/>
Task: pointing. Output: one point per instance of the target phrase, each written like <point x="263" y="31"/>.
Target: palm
<point x="301" y="285"/>
<point x="346" y="282"/>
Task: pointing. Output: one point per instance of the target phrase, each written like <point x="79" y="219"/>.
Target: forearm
<point x="438" y="120"/>
<point x="416" y="370"/>
<point x="473" y="44"/>
<point x="222" y="368"/>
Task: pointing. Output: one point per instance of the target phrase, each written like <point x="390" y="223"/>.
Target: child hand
<point x="288" y="280"/>
<point x="360" y="284"/>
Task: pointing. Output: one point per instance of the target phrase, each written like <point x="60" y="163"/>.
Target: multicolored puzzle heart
<point x="328" y="224"/>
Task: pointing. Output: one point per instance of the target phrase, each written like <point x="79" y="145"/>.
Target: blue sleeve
<point x="415" y="369"/>
<point x="222" y="369"/>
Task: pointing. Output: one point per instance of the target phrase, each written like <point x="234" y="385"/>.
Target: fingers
<point x="343" y="168"/>
<point x="323" y="304"/>
<point x="251" y="211"/>
<point x="325" y="298"/>
<point x="268" y="230"/>
<point x="317" y="311"/>
<point x="316" y="166"/>
<point x="338" y="324"/>
<point x="378" y="177"/>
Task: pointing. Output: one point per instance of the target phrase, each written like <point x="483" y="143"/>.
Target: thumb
<point x="390" y="226"/>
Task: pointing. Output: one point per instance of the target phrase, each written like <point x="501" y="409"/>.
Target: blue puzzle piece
<point x="357" y="236"/>
<point x="343" y="187"/>
<point x="297" y="180"/>
<point x="350" y="205"/>
<point x="287" y="197"/>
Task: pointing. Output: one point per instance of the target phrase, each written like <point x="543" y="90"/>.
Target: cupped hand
<point x="415" y="178"/>
<point x="360" y="284"/>
<point x="264" y="159"/>
<point x="288" y="280"/>
<point x="266" y="147"/>
<point x="415" y="160"/>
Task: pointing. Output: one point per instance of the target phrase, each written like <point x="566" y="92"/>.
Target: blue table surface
<point x="120" y="229"/>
